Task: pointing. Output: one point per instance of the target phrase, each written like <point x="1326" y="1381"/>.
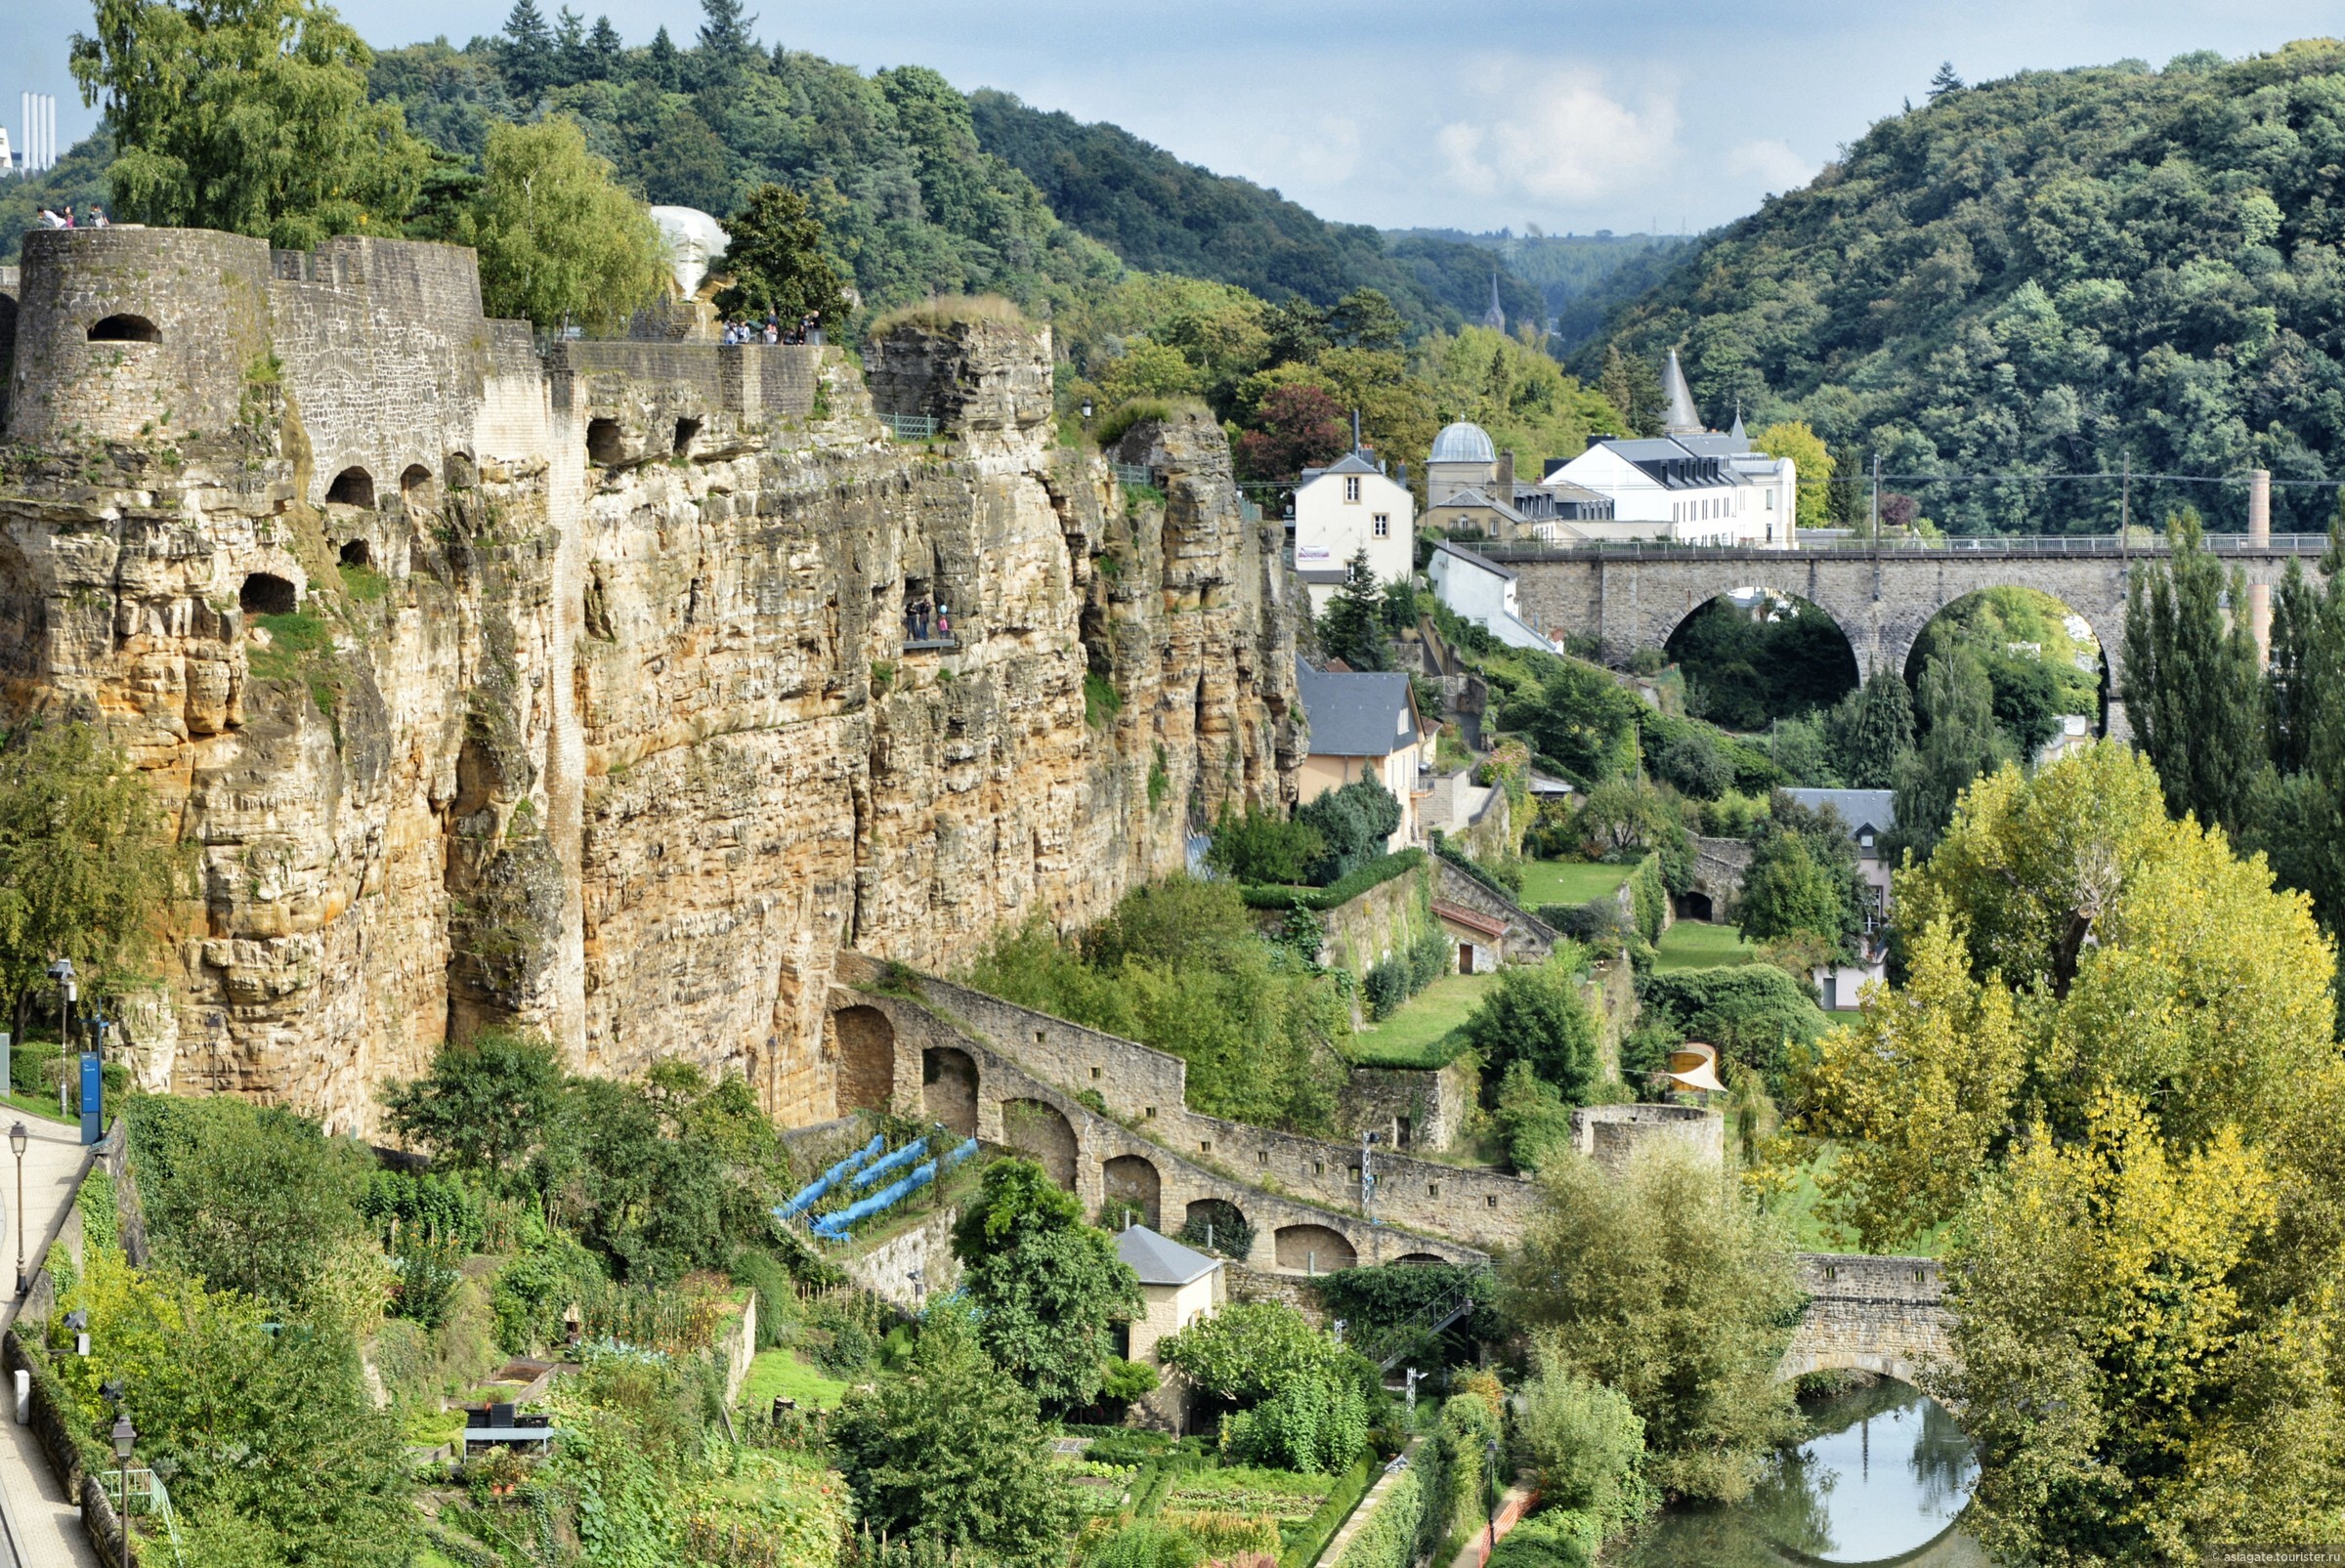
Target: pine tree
<point x="1946" y="81"/>
<point x="1880" y="732"/>
<point x="529" y="51"/>
<point x="663" y="66"/>
<point x="603" y="51"/>
<point x="571" y="62"/>
<point x="1352" y="628"/>
<point x="2192" y="688"/>
<point x="725" y="40"/>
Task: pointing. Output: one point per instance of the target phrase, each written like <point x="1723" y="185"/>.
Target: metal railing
<point x="2085" y="546"/>
<point x="1132" y="475"/>
<point x="909" y="427"/>
<point x="145" y="1494"/>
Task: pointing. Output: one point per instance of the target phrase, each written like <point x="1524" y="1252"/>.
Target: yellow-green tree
<point x="1811" y="463"/>
<point x="558" y="239"/>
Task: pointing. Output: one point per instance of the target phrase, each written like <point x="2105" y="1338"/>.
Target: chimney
<point x="2259" y="533"/>
<point x="1505" y="478"/>
<point x="1355" y="430"/>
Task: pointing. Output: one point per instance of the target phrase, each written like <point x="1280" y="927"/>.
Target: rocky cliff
<point x="570" y="685"/>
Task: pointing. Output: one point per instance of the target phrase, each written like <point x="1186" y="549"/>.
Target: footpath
<point x="1511" y="1508"/>
<point x="42" y="1525"/>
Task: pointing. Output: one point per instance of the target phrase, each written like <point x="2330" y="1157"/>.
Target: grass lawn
<point x="45" y="1105"/>
<point x="1569" y="881"/>
<point x="1699" y="944"/>
<point x="780" y="1372"/>
<point x="1425" y="1031"/>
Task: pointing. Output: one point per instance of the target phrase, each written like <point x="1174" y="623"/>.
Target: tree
<point x="604" y="51"/>
<point x="1872" y="731"/>
<point x="1047" y="1288"/>
<point x="1304" y="1403"/>
<point x="1625" y="815"/>
<point x="1668" y="1286"/>
<point x="1299" y="426"/>
<point x="1365" y="318"/>
<point x="1578" y="716"/>
<point x="1264" y="846"/>
<point x="1755" y="1013"/>
<point x="951" y="1454"/>
<point x="1944" y="81"/>
<point x="725" y="38"/>
<point x="1584" y="1442"/>
<point x="1534" y="1013"/>
<point x="2191" y="686"/>
<point x="1962" y="743"/>
<point x="528" y="55"/>
<point x="663" y="64"/>
<point x="1804" y="876"/>
<point x="248" y="116"/>
<point x="1812" y="461"/>
<point x="1351" y="627"/>
<point x="87" y="867"/>
<point x="486" y="1105"/>
<point x="1355" y="822"/>
<point x="558" y="239"/>
<point x="774" y="252"/>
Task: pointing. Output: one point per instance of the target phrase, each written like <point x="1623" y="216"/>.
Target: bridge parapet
<point x="1882" y="1315"/>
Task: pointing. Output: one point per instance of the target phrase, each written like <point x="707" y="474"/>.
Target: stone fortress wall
<point x="612" y="730"/>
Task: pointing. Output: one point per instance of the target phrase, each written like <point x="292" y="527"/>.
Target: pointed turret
<point x="1495" y="317"/>
<point x="1678" y="415"/>
<point x="1739" y="433"/>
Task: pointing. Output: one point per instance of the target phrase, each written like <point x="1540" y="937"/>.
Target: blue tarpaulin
<point x="829" y="1178"/>
<point x="833" y="1226"/>
<point x="894" y="1161"/>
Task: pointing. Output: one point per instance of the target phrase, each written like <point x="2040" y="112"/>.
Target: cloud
<point x="1773" y="162"/>
<point x="1556" y="137"/>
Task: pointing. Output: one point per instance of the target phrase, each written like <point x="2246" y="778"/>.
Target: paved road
<point x="43" y="1527"/>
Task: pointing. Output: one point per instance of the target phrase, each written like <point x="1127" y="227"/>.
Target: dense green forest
<point x="1583" y="278"/>
<point x="2057" y="273"/>
<point x="1162" y="214"/>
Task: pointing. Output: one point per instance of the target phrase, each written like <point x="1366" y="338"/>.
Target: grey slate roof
<point x="1681" y="417"/>
<point x="1349" y="463"/>
<point x="1355" y="713"/>
<point x="1858" y="808"/>
<point x="1158" y="1260"/>
<point x="1478" y="562"/>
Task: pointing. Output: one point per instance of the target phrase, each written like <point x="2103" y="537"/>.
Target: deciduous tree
<point x="558" y="239"/>
<point x="1534" y="1013"/>
<point x="774" y="252"/>
<point x="1047" y="1288"/>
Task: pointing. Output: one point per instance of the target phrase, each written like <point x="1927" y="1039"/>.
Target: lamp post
<point x="68" y="993"/>
<point x="1086" y="410"/>
<point x="17" y="1138"/>
<point x="125" y="1437"/>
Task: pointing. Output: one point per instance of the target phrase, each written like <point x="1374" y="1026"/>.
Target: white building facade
<point x="1346" y="507"/>
<point x="1481" y="590"/>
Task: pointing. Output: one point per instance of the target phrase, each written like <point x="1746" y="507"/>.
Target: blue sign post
<point x="92" y="1094"/>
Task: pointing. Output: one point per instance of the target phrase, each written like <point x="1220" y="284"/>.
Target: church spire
<point x="1495" y="317"/>
<point x="1679" y="416"/>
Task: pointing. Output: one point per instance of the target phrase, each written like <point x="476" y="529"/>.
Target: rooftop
<point x="1355" y="713"/>
<point x="1463" y="443"/>
<point x="1860" y="808"/>
<point x="1159" y="1259"/>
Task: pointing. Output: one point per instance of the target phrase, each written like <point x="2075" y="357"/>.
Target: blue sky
<point x="1568" y="115"/>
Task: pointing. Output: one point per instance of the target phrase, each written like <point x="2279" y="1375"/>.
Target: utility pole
<point x="2125" y="509"/>
<point x="1876" y="497"/>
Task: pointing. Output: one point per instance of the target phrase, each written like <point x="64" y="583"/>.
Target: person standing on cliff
<point x="944" y="621"/>
<point x="925" y="607"/>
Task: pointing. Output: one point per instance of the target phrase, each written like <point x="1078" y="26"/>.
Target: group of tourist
<point x="95" y="218"/>
<point x="772" y="331"/>
<point x="920" y="617"/>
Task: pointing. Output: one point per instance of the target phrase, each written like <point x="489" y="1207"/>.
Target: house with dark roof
<point x="1178" y="1287"/>
<point x="1363" y="725"/>
<point x="1349" y="506"/>
<point x="1868" y="815"/>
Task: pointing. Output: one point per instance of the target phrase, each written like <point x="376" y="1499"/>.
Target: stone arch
<point x="1696" y="905"/>
<point x="1217" y="1223"/>
<point x="1910" y="655"/>
<point x="865" y="1042"/>
<point x="1040" y="1131"/>
<point x="1313" y="1249"/>
<point x="605" y="444"/>
<point x="353" y="486"/>
<point x="1133" y="1186"/>
<point x="416" y="484"/>
<point x="688" y="431"/>
<point x="949" y="1090"/>
<point x="265" y="593"/>
<point x="1763" y="597"/>
<point x="125" y="328"/>
<point x="1420" y="1258"/>
<point x="356" y="553"/>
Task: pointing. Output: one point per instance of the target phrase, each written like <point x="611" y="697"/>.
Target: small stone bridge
<point x="1628" y="597"/>
<point x="1882" y="1315"/>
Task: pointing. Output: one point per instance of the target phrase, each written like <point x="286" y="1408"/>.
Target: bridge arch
<point x="2052" y="662"/>
<point x="1134" y="1192"/>
<point x="1882" y="1315"/>
<point x="1760" y="652"/>
<point x="1040" y="1131"/>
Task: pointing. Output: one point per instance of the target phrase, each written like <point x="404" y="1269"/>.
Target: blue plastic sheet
<point x="828" y="1179"/>
<point x="894" y="1161"/>
<point x="833" y="1226"/>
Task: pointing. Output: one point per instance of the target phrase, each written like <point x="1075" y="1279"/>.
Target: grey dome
<point x="1464" y="442"/>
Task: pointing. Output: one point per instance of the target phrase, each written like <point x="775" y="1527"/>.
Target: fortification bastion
<point x="570" y="684"/>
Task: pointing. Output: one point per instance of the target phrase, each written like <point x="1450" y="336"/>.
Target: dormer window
<point x="1351" y="486"/>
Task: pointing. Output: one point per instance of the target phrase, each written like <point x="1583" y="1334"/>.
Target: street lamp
<point x="1087" y="407"/>
<point x="62" y="972"/>
<point x="125" y="1435"/>
<point x="17" y="1138"/>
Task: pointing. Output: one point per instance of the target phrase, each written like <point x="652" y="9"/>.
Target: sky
<point x="1571" y="115"/>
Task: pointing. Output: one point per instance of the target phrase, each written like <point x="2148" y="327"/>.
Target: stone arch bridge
<point x="1628" y="597"/>
<point x="1882" y="1315"/>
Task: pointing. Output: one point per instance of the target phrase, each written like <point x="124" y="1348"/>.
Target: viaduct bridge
<point x="1627" y="596"/>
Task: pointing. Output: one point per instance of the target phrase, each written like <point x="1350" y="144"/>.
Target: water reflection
<point x="1884" y="1474"/>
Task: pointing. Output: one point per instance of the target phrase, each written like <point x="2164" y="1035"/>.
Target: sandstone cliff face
<point x="608" y="725"/>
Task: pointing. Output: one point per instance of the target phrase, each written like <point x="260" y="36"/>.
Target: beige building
<point x="1349" y="506"/>
<point x="1177" y="1287"/>
<point x="1363" y="725"/>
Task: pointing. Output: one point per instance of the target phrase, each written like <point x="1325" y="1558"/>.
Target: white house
<point x="1349" y="506"/>
<point x="1688" y="484"/>
<point x="1363" y="726"/>
<point x="1483" y="591"/>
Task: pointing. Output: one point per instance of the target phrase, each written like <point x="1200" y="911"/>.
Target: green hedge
<point x="1650" y="895"/>
<point x="1387" y="1537"/>
<point x="1359" y="879"/>
<point x="1321" y="1527"/>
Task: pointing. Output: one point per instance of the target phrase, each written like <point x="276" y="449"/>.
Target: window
<point x="1491" y="1200"/>
<point x="1205" y="1146"/>
<point x="1384" y="525"/>
<point x="1094" y="1073"/>
<point x="1318" y="1168"/>
<point x="1351" y="486"/>
<point x="1433" y="1189"/>
<point x="1148" y="1112"/>
<point x="1770" y="500"/>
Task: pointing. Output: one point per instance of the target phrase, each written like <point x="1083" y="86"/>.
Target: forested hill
<point x="2054" y="272"/>
<point x="1584" y="277"/>
<point x="1162" y="214"/>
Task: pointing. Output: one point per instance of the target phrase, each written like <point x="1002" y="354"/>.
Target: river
<point x="1883" y="1477"/>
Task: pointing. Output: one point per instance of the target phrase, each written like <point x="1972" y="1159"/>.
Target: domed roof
<point x="1464" y="442"/>
<point x="694" y="240"/>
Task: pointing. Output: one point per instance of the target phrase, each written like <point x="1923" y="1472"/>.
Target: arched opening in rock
<point x="358" y="553"/>
<point x="353" y="486"/>
<point x="688" y="431"/>
<point x="265" y="593"/>
<point x="125" y="329"/>
<point x="1755" y="655"/>
<point x="949" y="1090"/>
<point x="1696" y="906"/>
<point x="605" y="447"/>
<point x="416" y="484"/>
<point x="1039" y="1130"/>
<point x="1313" y="1249"/>
<point x="865" y="1044"/>
<point x="1133" y="1192"/>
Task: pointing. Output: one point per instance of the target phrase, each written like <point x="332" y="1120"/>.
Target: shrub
<point x="1387" y="986"/>
<point x="1535" y="1014"/>
<point x="1145" y="1544"/>
<point x="1585" y="1444"/>
<point x="1555" y="1538"/>
<point x="1313" y="1539"/>
<point x="1429" y="956"/>
<point x="777" y="1300"/>
<point x="1355" y="822"/>
<point x="1359" y="879"/>
<point x="1649" y="897"/>
<point x="1755" y="1014"/>
<point x="1262" y="846"/>
<point x="33" y="1066"/>
<point x="1388" y="1537"/>
<point x="1221" y="1229"/>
